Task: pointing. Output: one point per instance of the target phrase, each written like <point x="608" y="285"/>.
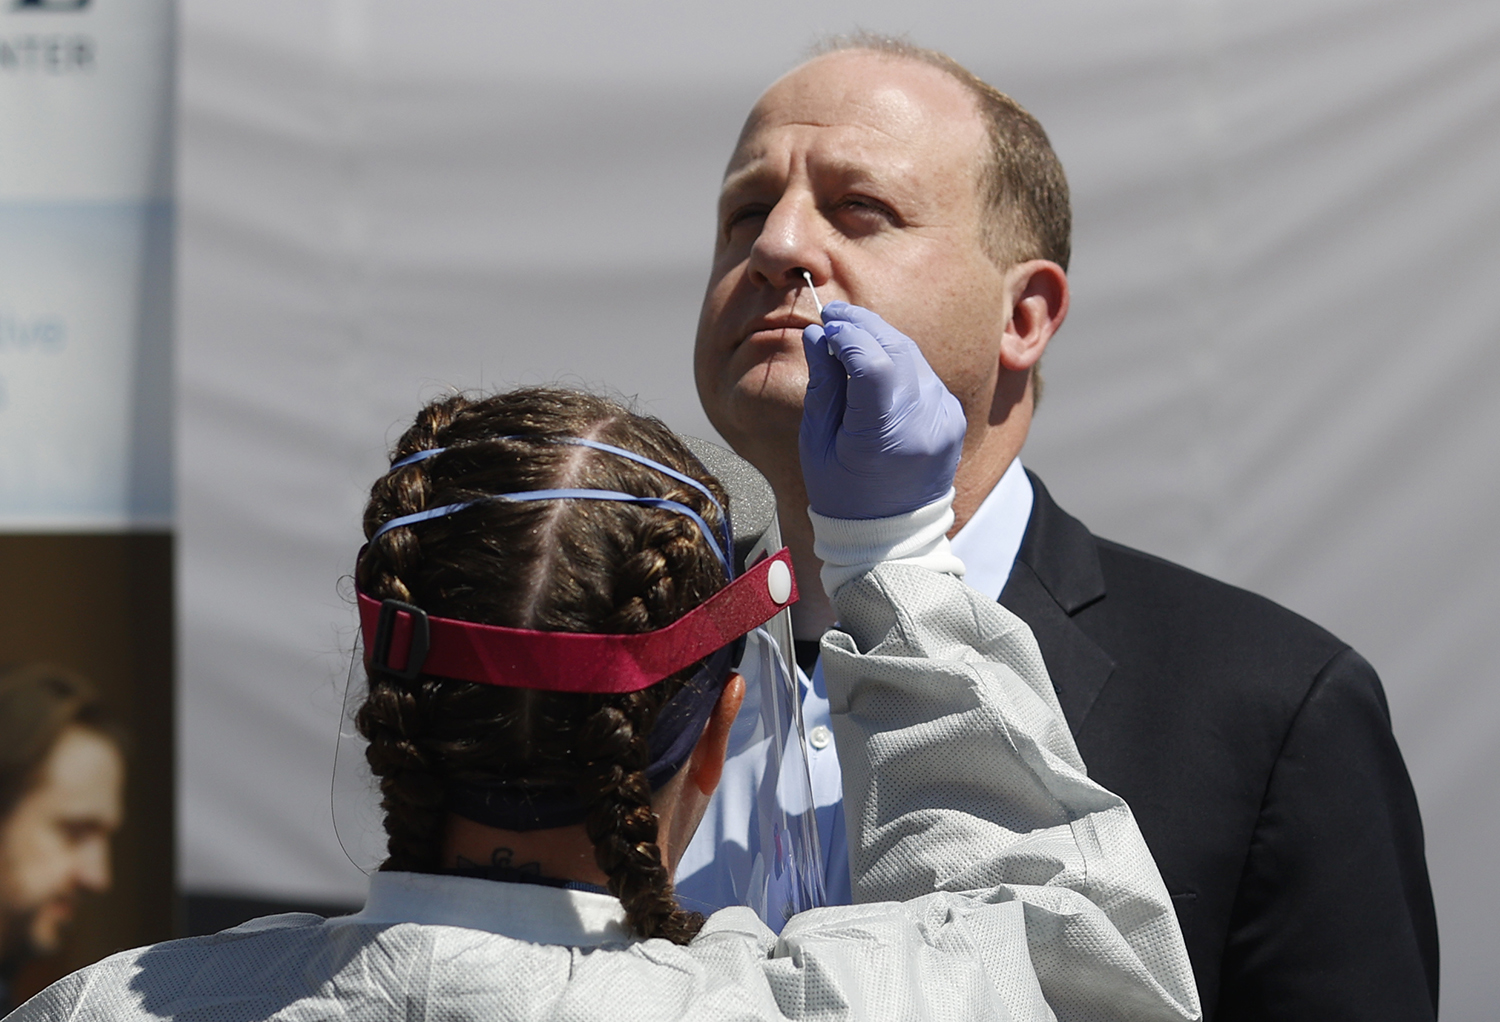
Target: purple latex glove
<point x="880" y="435"/>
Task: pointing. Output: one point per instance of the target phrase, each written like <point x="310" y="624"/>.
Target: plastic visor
<point x="769" y="857"/>
<point x="778" y="869"/>
<point x="357" y="818"/>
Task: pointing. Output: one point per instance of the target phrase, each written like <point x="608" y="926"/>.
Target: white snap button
<point x="779" y="581"/>
<point x="819" y="737"/>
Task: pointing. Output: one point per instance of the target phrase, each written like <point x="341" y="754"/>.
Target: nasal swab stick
<point x="808" y="277"/>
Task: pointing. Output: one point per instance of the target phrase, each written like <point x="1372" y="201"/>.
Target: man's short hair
<point x="38" y="702"/>
<point x="1022" y="182"/>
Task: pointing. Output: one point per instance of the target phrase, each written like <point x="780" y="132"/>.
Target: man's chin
<point x="763" y="411"/>
<point x="48" y="926"/>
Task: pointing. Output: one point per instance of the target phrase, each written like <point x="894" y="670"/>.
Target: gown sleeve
<point x="975" y="836"/>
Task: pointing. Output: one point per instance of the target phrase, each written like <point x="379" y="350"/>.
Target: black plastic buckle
<point x="385" y="632"/>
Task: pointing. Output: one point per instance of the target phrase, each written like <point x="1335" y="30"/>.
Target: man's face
<point x="864" y="170"/>
<point x="55" y="844"/>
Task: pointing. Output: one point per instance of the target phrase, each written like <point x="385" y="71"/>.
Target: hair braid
<point x="624" y="827"/>
<point x="405" y="491"/>
<point x="622" y="823"/>
<point x="412" y="794"/>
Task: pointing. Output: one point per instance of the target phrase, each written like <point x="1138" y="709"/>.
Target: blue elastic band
<point x="420" y="516"/>
<point x="412" y="459"/>
<point x="639" y="459"/>
<point x="530" y="495"/>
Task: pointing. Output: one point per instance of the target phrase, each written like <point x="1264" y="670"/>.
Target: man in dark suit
<point x="1254" y="747"/>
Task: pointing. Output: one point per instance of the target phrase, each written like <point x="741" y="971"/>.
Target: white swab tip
<point x="813" y="290"/>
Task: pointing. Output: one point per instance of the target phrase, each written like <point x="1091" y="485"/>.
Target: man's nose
<point x="91" y="869"/>
<point x="792" y="239"/>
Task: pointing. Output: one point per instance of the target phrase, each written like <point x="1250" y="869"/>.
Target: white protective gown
<point x="994" y="880"/>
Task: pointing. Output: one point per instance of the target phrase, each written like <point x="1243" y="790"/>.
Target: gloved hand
<point x="880" y="434"/>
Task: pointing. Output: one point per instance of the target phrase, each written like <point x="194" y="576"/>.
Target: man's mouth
<point x="61" y="909"/>
<point x="769" y="328"/>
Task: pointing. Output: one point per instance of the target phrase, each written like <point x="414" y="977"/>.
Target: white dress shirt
<point x="989" y="542"/>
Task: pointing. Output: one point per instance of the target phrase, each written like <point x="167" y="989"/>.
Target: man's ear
<point x="706" y="765"/>
<point x="1038" y="291"/>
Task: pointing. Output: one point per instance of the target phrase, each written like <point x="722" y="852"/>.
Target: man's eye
<point x="79" y="831"/>
<point x="744" y="216"/>
<point x="861" y="205"/>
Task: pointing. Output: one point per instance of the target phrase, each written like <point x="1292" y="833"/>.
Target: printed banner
<point x="85" y="264"/>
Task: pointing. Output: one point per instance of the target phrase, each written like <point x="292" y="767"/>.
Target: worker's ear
<point x="706" y="766"/>
<point x="1038" y="292"/>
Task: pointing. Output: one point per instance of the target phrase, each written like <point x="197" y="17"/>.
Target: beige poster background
<point x="1281" y="366"/>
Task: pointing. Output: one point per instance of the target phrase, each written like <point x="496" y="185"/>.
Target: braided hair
<point x="558" y="565"/>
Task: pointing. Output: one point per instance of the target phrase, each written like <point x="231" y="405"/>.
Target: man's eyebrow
<point x="85" y="827"/>
<point x="743" y="177"/>
<point x="848" y="170"/>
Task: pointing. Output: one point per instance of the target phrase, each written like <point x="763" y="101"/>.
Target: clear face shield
<point x="357" y="817"/>
<point x="781" y="872"/>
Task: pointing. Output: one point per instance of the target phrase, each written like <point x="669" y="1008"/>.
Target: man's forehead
<point x="83" y="772"/>
<point x="853" y="152"/>
<point x="862" y="98"/>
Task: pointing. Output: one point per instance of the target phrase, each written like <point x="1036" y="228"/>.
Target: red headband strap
<point x="398" y="633"/>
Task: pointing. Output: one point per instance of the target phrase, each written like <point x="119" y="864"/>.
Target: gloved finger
<point x="872" y="383"/>
<point x="870" y="322"/>
<point x="912" y="370"/>
<point x="823" y="406"/>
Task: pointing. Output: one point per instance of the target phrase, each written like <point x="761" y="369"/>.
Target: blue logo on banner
<point x="44" y="333"/>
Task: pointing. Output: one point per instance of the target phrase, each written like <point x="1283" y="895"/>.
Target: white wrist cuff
<point x="849" y="547"/>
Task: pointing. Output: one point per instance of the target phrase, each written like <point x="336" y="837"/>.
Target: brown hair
<point x="38" y="702"/>
<point x="1022" y="181"/>
<point x="557" y="565"/>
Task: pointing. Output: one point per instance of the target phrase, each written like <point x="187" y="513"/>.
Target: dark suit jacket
<point x="1256" y="751"/>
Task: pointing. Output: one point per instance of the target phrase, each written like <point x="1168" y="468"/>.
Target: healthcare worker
<point x="549" y="622"/>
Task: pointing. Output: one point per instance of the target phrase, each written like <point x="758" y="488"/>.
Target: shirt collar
<point x="989" y="541"/>
<point x="529" y="912"/>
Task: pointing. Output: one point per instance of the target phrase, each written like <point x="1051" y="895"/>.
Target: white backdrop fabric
<point x="1281" y="365"/>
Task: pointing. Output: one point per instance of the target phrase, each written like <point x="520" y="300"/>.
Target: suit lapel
<point x="1056" y="575"/>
